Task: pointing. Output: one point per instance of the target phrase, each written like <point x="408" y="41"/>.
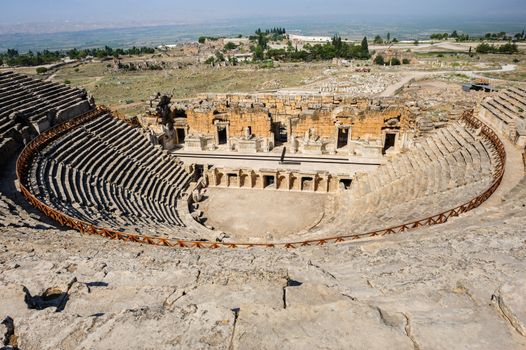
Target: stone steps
<point x="28" y="104"/>
<point x="106" y="173"/>
<point x="447" y="168"/>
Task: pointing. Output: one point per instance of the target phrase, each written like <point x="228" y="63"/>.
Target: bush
<point x="67" y="82"/>
<point x="509" y="48"/>
<point x="395" y="61"/>
<point x="230" y="46"/>
<point x="406" y="61"/>
<point x="41" y="70"/>
<point x="266" y="64"/>
<point x="379" y="59"/>
<point x="484" y="48"/>
<point x="77" y="70"/>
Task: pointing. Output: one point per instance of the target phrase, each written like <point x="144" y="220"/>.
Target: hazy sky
<point x="118" y="11"/>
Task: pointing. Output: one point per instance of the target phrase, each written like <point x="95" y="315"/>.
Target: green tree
<point x="378" y="40"/>
<point x="230" y="46"/>
<point x="509" y="48"/>
<point x="337" y="42"/>
<point x="365" y="45"/>
<point x="259" y="53"/>
<point x="379" y="60"/>
<point x="219" y="56"/>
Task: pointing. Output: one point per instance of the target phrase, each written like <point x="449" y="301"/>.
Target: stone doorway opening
<point x="280" y="133"/>
<point x="181" y="134"/>
<point x="221" y="135"/>
<point x="343" y="137"/>
<point x="307" y="184"/>
<point x="233" y="180"/>
<point x="389" y="142"/>
<point x="268" y="181"/>
<point x="345" y="184"/>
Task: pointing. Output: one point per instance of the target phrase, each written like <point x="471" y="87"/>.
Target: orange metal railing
<point x="23" y="163"/>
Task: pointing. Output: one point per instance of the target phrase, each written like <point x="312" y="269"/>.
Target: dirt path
<point x="406" y="78"/>
<point x="513" y="173"/>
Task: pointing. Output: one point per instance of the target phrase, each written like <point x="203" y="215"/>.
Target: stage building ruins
<point x="307" y="124"/>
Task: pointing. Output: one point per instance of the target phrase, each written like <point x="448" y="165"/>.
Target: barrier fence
<point x="23" y="163"/>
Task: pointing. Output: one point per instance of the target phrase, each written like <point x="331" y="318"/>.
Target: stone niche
<point x="309" y="124"/>
<point x="237" y="130"/>
<point x="199" y="143"/>
<point x="248" y="146"/>
<point x="277" y="179"/>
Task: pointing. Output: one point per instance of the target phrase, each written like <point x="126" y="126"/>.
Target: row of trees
<point x="13" y="58"/>
<point x="378" y="40"/>
<point x="454" y="35"/>
<point x="335" y="49"/>
<point x="279" y="31"/>
<point x="202" y="39"/>
<point x="488" y="36"/>
<point x="509" y="48"/>
<point x="380" y="60"/>
<point x="108" y="51"/>
<point x="503" y="36"/>
<point x="263" y="37"/>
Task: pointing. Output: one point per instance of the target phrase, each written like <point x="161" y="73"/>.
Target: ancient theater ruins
<point x="386" y="215"/>
<point x="253" y="169"/>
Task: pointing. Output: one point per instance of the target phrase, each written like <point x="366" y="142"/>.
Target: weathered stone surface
<point x="431" y="289"/>
<point x="510" y="300"/>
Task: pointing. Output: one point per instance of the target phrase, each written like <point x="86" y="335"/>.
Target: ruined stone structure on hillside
<point x="506" y="112"/>
<point x="307" y="124"/>
<point x="272" y="256"/>
<point x="29" y="106"/>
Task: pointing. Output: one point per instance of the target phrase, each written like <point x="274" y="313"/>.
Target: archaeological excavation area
<point x="256" y="220"/>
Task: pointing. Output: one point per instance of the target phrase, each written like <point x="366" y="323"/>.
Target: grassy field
<point x="127" y="91"/>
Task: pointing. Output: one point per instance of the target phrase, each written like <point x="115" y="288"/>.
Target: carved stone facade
<point x="280" y="179"/>
<point x="309" y="124"/>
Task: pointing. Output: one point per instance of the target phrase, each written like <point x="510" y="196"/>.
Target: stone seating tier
<point x="445" y="169"/>
<point x="106" y="172"/>
<point x="29" y="106"/>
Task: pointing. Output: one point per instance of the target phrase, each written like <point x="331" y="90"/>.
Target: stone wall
<point x="308" y="123"/>
<point x="280" y="179"/>
<point x="303" y="112"/>
<point x="203" y="121"/>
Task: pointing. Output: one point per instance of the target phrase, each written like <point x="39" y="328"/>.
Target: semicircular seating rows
<point x="107" y="173"/>
<point x="443" y="170"/>
<point x="29" y="106"/>
<point x="103" y="172"/>
<point x="506" y="108"/>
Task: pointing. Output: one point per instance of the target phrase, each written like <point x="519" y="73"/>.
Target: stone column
<point x="324" y="177"/>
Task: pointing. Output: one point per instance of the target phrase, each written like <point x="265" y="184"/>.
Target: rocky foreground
<point x="459" y="285"/>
